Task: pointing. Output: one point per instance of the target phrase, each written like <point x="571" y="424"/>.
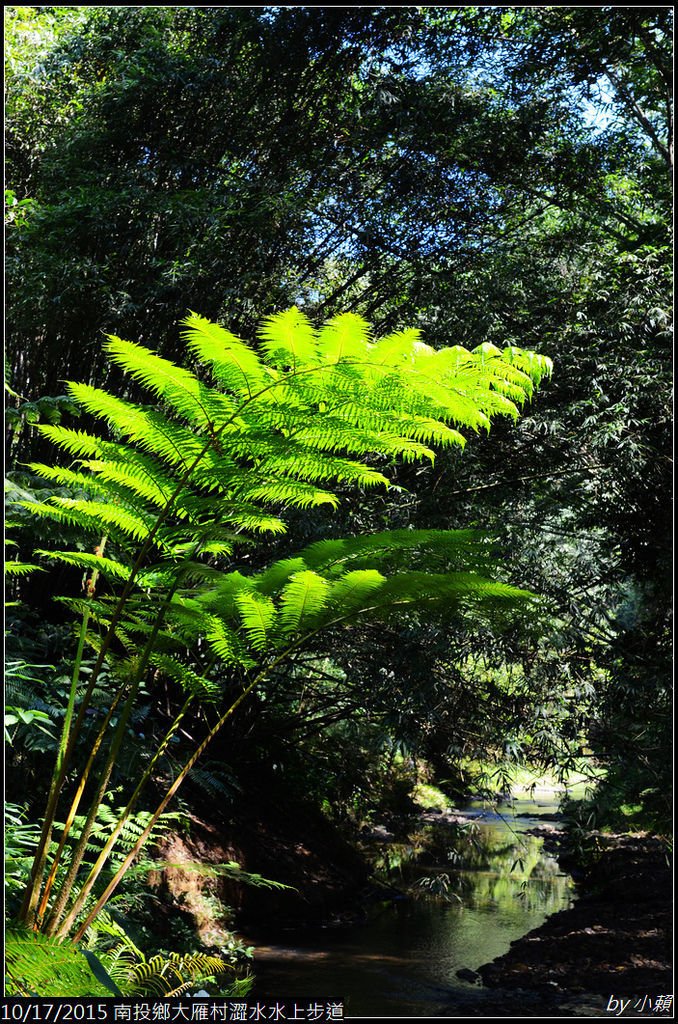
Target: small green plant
<point x="430" y="797"/>
<point x="437" y="887"/>
<point x="38" y="964"/>
<point x="173" y="495"/>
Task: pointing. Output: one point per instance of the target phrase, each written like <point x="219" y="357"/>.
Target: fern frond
<point x="42" y="966"/>
<point x="235" y="365"/>
<point x="21" y="568"/>
<point x="344" y="337"/>
<point x="257" y="522"/>
<point x="191" y="682"/>
<point x="400" y="547"/>
<point x="137" y="527"/>
<point x="395" y="348"/>
<point x="355" y="589"/>
<point x="445" y="592"/>
<point x="289" y="340"/>
<point x="85" y="560"/>
<point x="258" y="616"/>
<point x="533" y="364"/>
<point x="229" y="869"/>
<point x="303" y="597"/>
<point x="136" y="481"/>
<point x="307" y="465"/>
<point x="429" y="431"/>
<point x="173" y="974"/>
<point x="153" y="432"/>
<point x="226" y="644"/>
<point x="67" y="478"/>
<point x="64" y="516"/>
<point x="274" y="578"/>
<point x="222" y="597"/>
<point x="121" y="961"/>
<point x="292" y="493"/>
<point x="186" y="395"/>
<point x="75" y="442"/>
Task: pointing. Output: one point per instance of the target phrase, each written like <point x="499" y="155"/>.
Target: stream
<point x="473" y="888"/>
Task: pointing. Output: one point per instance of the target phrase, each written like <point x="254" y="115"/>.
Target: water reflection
<point x="472" y="888"/>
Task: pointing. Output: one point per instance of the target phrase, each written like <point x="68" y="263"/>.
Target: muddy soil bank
<point x="286" y="841"/>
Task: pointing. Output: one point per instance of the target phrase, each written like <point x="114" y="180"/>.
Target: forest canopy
<point x="490" y="187"/>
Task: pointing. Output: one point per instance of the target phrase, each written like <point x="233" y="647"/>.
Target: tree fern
<point x="181" y="488"/>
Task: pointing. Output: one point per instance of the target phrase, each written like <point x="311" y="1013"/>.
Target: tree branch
<point x="638" y="113"/>
<point x="524" y="479"/>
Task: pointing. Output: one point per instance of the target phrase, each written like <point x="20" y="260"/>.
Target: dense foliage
<point x="498" y="177"/>
<point x="193" y="480"/>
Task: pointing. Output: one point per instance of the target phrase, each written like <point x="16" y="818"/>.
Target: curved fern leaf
<point x="235" y="365"/>
<point x="84" y="560"/>
<point x="37" y="965"/>
<point x="258" y="615"/>
<point x="302" y="599"/>
<point x="345" y="336"/>
<point x="289" y="340"/>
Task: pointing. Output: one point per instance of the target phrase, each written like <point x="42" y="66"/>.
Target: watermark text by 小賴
<point x="632" y="1005"/>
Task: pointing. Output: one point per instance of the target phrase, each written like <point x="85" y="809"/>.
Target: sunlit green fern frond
<point x="16" y="568"/>
<point x="234" y="364"/>
<point x="302" y="598"/>
<point x="424" y="548"/>
<point x="289" y="340"/>
<point x="85" y="560"/>
<point x="174" y="974"/>
<point x="184" y="485"/>
<point x="188" y="397"/>
<point x="226" y="644"/>
<point x="39" y="966"/>
<point x="345" y="336"/>
<point x="258" y="616"/>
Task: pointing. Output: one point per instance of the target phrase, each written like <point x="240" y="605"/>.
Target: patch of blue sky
<point x="597" y="106"/>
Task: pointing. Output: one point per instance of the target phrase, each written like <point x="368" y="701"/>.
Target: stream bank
<point x="504" y="939"/>
<point x="451" y="895"/>
<point x="614" y="941"/>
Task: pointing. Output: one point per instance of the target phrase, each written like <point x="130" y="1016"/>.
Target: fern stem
<point x="113" y="884"/>
<point x="75" y="803"/>
<point x="38" y="866"/>
<point x="59" y="768"/>
<point x="110" y="842"/>
<point x="91" y="586"/>
<point x="30" y="903"/>
<point x="116" y="742"/>
<point x="122" y="870"/>
<point x="81" y="845"/>
<point x="74" y="685"/>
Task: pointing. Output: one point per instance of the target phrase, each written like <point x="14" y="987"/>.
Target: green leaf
<point x="302" y="599"/>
